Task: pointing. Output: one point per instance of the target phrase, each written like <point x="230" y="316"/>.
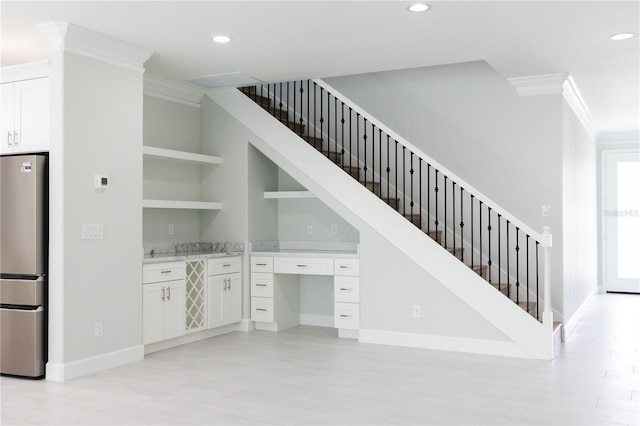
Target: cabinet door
<point x="153" y="312"/>
<point x="31" y="100"/>
<point x="175" y="309"/>
<point x="232" y="299"/>
<point x="6" y="119"/>
<point x="216" y="288"/>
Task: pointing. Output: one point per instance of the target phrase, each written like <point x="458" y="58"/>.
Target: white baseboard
<point x="442" y="343"/>
<point x="189" y="338"/>
<point x="570" y="325"/>
<point x="245" y="325"/>
<point x="61" y="372"/>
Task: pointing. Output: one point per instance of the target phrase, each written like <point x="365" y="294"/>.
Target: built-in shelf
<point x="187" y="205"/>
<point x="288" y="194"/>
<point x="182" y="156"/>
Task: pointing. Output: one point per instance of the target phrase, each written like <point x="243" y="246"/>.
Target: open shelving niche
<point x="182" y="157"/>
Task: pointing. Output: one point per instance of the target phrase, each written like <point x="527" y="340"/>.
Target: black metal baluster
<point x="462" y="224"/>
<point x="294" y="100"/>
<point x="444" y="221"/>
<point x="321" y="113"/>
<point x="335" y="130"/>
<point x="453" y="215"/>
<point x="380" y="160"/>
<point x="396" y="179"/>
<point x="350" y="139"/>
<point x="517" y="265"/>
<point x="288" y="101"/>
<point x="527" y="255"/>
<point x="537" y="284"/>
<point x="489" y="238"/>
<point x="436" y="189"/>
<point x="499" y="253"/>
<point x="358" y="141"/>
<point x="388" y="176"/>
<point x="429" y="199"/>
<point x="364" y="138"/>
<point x="411" y="198"/>
<point x="342" y="137"/>
<point x="404" y="183"/>
<point x="315" y="107"/>
<point x="480" y="232"/>
<point x="508" y="262"/>
<point x="308" y="114"/>
<point x="420" y="191"/>
<point x="472" y="220"/>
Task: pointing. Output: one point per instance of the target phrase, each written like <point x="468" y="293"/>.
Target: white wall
<point x="176" y="126"/>
<point x="97" y="130"/>
<point x="579" y="187"/>
<point x="471" y="120"/>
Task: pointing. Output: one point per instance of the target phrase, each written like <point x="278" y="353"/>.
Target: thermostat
<point x="102" y="182"/>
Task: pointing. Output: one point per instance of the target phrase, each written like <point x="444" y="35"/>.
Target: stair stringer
<point x="526" y="337"/>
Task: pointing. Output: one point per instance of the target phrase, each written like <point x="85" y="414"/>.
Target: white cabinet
<point x="224" y="291"/>
<point x="25" y="116"/>
<point x="163" y="299"/>
<point x="346" y="293"/>
<point x="275" y="290"/>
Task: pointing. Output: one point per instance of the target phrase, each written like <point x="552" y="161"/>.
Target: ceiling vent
<point x="234" y="79"/>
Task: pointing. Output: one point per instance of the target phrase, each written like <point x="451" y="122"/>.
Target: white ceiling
<point x="283" y="40"/>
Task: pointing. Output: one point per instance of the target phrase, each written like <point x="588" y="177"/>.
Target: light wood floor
<point x="308" y="376"/>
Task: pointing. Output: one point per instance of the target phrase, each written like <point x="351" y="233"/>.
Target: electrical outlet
<point x="334" y="229"/>
<point x="99" y="329"/>
<point x="416" y="311"/>
<point x="171" y="229"/>
<point x="546" y="211"/>
<point x="309" y="229"/>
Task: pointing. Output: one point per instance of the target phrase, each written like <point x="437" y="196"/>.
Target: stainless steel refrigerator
<point x="23" y="264"/>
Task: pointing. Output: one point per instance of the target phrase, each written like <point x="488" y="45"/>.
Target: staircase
<point x="470" y="229"/>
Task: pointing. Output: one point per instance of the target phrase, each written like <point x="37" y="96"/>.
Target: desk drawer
<point x="346" y="289"/>
<point x="261" y="264"/>
<point x="262" y="309"/>
<point x="303" y="266"/>
<point x="225" y="265"/>
<point x="346" y="315"/>
<point x="160" y="272"/>
<point x="261" y="284"/>
<point x="347" y="267"/>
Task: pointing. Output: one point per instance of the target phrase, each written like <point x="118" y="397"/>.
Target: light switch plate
<point x="92" y="231"/>
<point x="546" y="210"/>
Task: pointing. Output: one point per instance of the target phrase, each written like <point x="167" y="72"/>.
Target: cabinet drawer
<point x="224" y="265"/>
<point x="262" y="309"/>
<point x="347" y="267"/>
<point x="261" y="284"/>
<point x="160" y="272"/>
<point x="346" y="315"/>
<point x="261" y="264"/>
<point x="346" y="289"/>
<point x="303" y="266"/>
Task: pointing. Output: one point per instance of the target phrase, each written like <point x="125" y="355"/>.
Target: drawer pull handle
<point x="345" y="316"/>
<point x="346" y="266"/>
<point x="302" y="266"/>
<point x="261" y="285"/>
<point x="346" y="289"/>
<point x="261" y="309"/>
<point x="165" y="272"/>
<point x="261" y="264"/>
<point x="226" y="265"/>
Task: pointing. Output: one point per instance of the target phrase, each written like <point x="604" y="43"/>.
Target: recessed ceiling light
<point x="222" y="39"/>
<point x="621" y="36"/>
<point x="419" y="7"/>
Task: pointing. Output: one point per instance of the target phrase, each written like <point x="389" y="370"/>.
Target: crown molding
<point x="559" y="83"/>
<point x="172" y="91"/>
<point x="66" y="37"/>
<point x="631" y="138"/>
<point x="545" y="84"/>
<point x="574" y="98"/>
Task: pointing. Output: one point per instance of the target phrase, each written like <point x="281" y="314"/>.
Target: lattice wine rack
<point x="196" y="296"/>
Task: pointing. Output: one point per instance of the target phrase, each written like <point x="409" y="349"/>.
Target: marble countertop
<point x="172" y="257"/>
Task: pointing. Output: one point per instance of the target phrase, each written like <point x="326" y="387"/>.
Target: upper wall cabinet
<point x="25" y="116"/>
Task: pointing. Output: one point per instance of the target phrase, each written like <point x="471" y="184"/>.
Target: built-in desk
<point x="275" y="288"/>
